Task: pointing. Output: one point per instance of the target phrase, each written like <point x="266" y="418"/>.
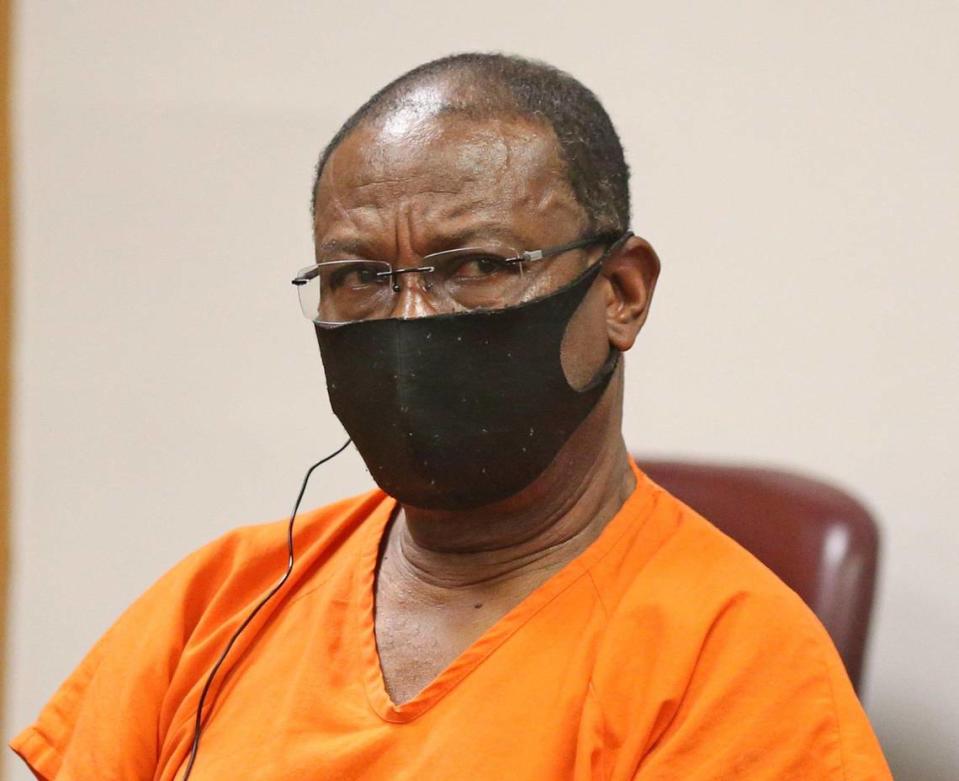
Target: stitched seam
<point x="594" y="694"/>
<point x="599" y="598"/>
<point x="835" y="714"/>
<point x="488" y="653"/>
<point x="585" y="569"/>
<point x="680" y="701"/>
<point x="593" y="691"/>
<point x="36" y="735"/>
<point x="649" y="507"/>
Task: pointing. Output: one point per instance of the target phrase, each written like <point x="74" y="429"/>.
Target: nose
<point x="414" y="298"/>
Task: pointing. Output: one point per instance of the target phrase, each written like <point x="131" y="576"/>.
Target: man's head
<point x="496" y="86"/>
<point x="493" y="152"/>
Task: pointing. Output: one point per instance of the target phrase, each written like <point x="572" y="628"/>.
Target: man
<point x="521" y="602"/>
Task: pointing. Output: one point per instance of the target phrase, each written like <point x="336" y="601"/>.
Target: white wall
<point x="795" y="165"/>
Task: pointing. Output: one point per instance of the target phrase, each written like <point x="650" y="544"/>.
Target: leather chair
<point x="819" y="540"/>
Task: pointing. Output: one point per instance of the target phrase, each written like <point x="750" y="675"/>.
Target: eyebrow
<point x="487" y="232"/>
<point x="439" y="241"/>
<point x="356" y="247"/>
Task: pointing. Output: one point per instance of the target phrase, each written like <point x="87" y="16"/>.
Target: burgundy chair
<point x="819" y="540"/>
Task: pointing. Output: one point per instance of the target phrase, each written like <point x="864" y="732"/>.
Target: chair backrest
<point x="819" y="540"/>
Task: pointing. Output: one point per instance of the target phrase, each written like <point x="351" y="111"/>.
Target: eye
<point x="356" y="275"/>
<point x="481" y="266"/>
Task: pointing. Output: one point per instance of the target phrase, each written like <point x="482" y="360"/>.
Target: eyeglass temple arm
<point x="616" y="240"/>
<point x="306" y="276"/>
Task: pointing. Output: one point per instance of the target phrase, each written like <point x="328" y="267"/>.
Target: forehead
<point x="445" y="171"/>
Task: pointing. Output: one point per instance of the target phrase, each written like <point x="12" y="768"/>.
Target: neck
<point x="533" y="533"/>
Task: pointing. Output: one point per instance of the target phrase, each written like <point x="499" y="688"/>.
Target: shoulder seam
<point x="834" y="712"/>
<point x="604" y="726"/>
<point x="599" y="596"/>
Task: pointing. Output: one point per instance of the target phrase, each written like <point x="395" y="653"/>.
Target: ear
<point x="631" y="273"/>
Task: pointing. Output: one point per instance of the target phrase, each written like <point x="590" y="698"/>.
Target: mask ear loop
<point x="198" y="725"/>
<point x="612" y="360"/>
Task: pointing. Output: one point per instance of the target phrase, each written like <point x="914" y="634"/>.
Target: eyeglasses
<point x="343" y="291"/>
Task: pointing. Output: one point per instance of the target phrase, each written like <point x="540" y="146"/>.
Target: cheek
<point x="585" y="345"/>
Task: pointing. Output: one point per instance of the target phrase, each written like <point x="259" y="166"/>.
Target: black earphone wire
<point x="198" y="725"/>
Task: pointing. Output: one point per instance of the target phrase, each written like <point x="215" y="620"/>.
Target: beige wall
<point x="795" y="165"/>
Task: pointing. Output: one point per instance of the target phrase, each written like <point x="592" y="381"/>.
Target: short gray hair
<point x="502" y="84"/>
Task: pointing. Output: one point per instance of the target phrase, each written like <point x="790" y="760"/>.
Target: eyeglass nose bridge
<point x="394" y="273"/>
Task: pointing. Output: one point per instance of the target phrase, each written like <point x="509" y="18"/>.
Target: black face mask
<point x="461" y="410"/>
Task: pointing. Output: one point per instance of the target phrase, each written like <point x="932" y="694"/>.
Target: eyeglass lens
<point x="342" y="291"/>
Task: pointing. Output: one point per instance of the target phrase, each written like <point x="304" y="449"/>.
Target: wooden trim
<point x="6" y="327"/>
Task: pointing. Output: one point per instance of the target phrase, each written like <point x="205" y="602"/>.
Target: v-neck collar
<point x="633" y="511"/>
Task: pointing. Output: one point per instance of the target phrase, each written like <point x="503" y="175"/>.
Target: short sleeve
<point x="126" y="713"/>
<point x="769" y="700"/>
<point x="106" y="719"/>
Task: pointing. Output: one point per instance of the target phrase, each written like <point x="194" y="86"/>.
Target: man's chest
<point x="306" y="703"/>
<point x="345" y="685"/>
<point x="416" y="640"/>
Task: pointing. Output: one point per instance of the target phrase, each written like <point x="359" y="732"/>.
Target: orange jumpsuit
<point x="664" y="651"/>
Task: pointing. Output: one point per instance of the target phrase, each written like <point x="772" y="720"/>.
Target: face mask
<point x="461" y="410"/>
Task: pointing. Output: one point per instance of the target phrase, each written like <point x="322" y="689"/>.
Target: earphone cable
<point x="198" y="724"/>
